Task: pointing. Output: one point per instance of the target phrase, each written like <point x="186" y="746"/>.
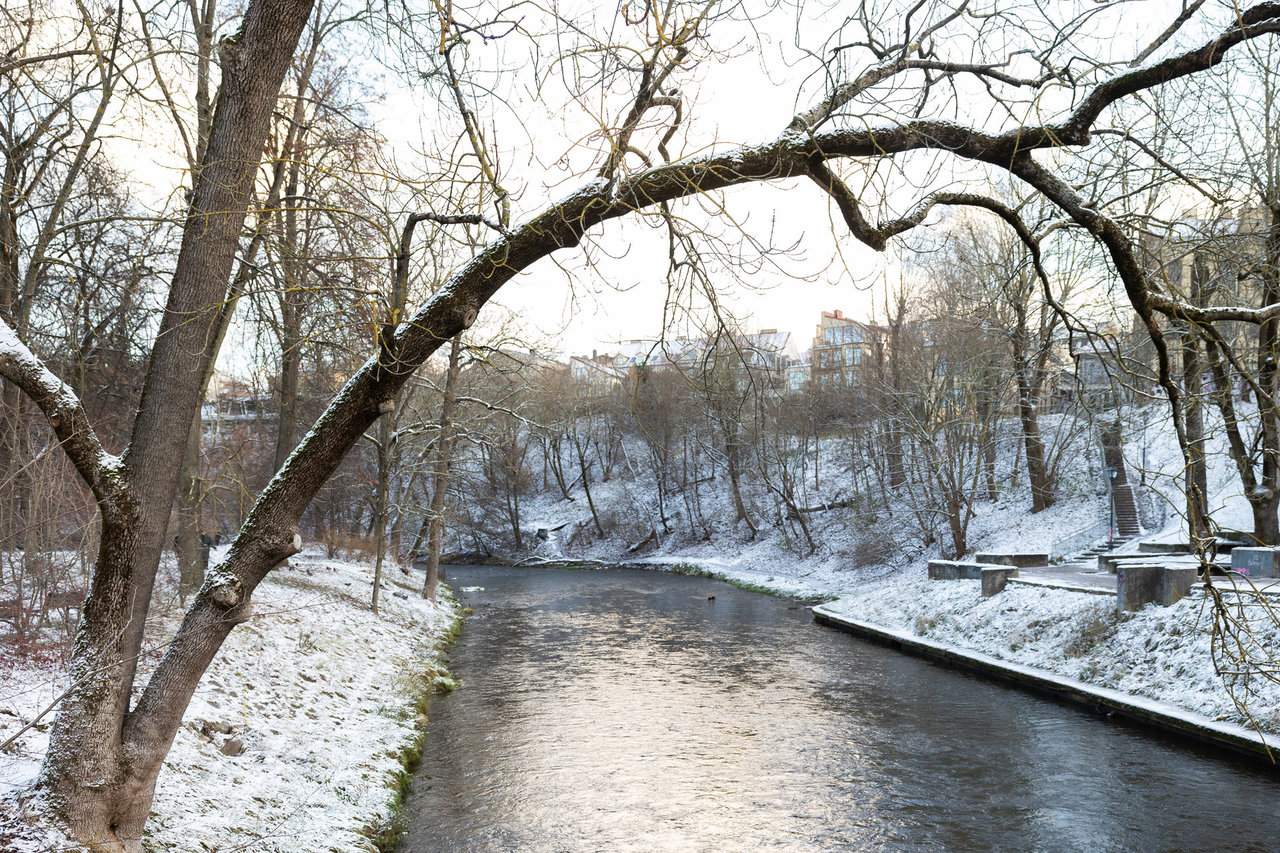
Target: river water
<point x="625" y="710"/>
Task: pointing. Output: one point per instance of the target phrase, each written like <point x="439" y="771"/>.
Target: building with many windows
<point x="845" y="353"/>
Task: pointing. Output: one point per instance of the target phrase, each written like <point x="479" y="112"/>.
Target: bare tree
<point x="876" y="101"/>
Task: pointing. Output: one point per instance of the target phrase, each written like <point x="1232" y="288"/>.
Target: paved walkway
<point x="1086" y="574"/>
<point x="1072" y="574"/>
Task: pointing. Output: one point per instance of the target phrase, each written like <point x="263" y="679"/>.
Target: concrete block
<point x="1164" y="547"/>
<point x="1021" y="561"/>
<point x="1140" y="584"/>
<point x="1223" y="546"/>
<point x="994" y="579"/>
<point x="1108" y="562"/>
<point x="943" y="570"/>
<point x="953" y="570"/>
<point x="1177" y="583"/>
<point x="1256" y="562"/>
<point x="1137" y="585"/>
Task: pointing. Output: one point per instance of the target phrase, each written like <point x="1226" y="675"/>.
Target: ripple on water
<point x="617" y="710"/>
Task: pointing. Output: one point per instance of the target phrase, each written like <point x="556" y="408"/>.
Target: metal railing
<point x="1079" y="540"/>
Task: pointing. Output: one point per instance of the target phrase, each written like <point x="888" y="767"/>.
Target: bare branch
<point x="61" y="407"/>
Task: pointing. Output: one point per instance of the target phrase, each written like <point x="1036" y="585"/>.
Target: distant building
<point x="1204" y="260"/>
<point x="1199" y="257"/>
<point x="845" y="352"/>
<point x="681" y="354"/>
<point x="229" y="400"/>
<point x="513" y="363"/>
<point x="770" y="349"/>
<point x="797" y="376"/>
<point x="596" y="370"/>
<point x="1211" y="261"/>
<point x="769" y="353"/>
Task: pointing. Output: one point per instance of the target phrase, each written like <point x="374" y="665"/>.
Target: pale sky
<point x="731" y="102"/>
<point x="544" y="146"/>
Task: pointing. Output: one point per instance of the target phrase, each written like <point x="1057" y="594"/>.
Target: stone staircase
<point x="1127" y="524"/>
<point x="1091" y="555"/>
<point x="1087" y="561"/>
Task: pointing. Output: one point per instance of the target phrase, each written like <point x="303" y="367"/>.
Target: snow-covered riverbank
<point x="1164" y="653"/>
<point x="295" y="739"/>
<point x="876" y="569"/>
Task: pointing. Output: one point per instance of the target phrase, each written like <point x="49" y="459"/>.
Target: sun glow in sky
<point x="749" y="79"/>
<point x="743" y="90"/>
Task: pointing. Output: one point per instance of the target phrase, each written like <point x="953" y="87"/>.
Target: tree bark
<point x="733" y="464"/>
<point x="381" y="506"/>
<point x="1042" y="485"/>
<point x="440" y="483"/>
<point x="190" y="566"/>
<point x="1262" y="501"/>
<point x="101" y="767"/>
<point x="103" y="760"/>
<point x="893" y="434"/>
<point x="585" y="468"/>
<point x="1197" y="473"/>
<point x="1265" y="500"/>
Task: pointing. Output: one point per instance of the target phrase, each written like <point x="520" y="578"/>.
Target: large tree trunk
<point x="440" y="484"/>
<point x="101" y="767"/>
<point x="955" y="520"/>
<point x="985" y="406"/>
<point x="1197" y="471"/>
<point x="1042" y="485"/>
<point x="381" y="506"/>
<point x="893" y="434"/>
<point x="733" y="464"/>
<point x="1265" y="500"/>
<point x="510" y="456"/>
<point x="1262" y="501"/>
<point x="290" y="330"/>
<point x="190" y="566"/>
<point x="585" y="468"/>
<point x="1027" y="378"/>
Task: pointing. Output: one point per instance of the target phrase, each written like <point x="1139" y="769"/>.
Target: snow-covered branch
<point x="65" y="414"/>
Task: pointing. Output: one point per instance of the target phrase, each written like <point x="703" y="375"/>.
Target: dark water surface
<point x="623" y="710"/>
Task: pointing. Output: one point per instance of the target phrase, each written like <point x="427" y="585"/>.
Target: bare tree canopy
<point x="904" y="111"/>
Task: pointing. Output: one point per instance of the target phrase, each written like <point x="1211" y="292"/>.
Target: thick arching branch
<point x="1255" y="21"/>
<point x="62" y="408"/>
<point x="269" y="534"/>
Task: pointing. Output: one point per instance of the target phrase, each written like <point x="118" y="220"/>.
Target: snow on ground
<point x="1154" y="459"/>
<point x="1161" y="653"/>
<point x="320" y="693"/>
<point x="315" y="698"/>
<point x="877" y="535"/>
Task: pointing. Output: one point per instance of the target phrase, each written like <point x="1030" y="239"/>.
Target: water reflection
<point x="625" y="711"/>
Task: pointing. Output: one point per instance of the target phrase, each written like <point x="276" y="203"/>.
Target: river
<point x="627" y="710"/>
